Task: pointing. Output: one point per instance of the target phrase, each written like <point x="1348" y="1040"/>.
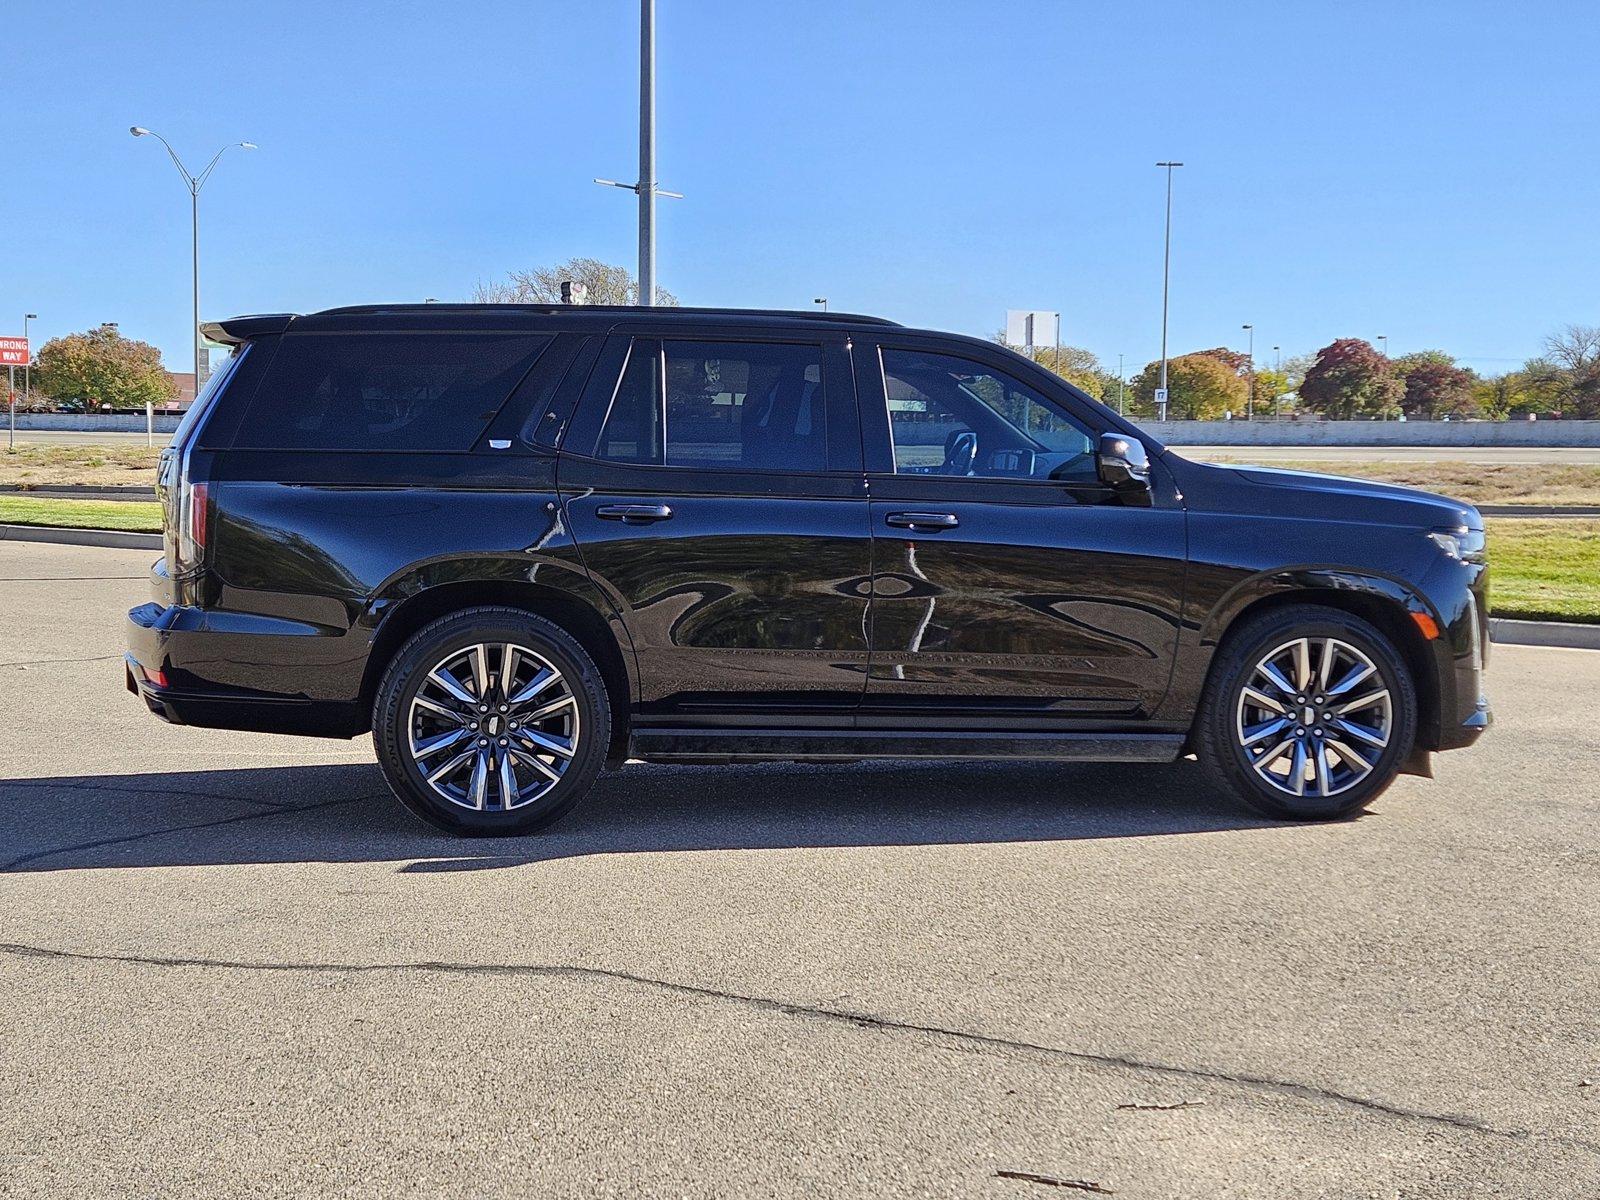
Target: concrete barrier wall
<point x="83" y="423"/>
<point x="1376" y="433"/>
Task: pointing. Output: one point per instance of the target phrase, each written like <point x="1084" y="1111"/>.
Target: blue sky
<point x="1423" y="170"/>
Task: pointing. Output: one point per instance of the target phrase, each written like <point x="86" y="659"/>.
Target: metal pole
<point x="1058" y="343"/>
<point x="647" y="152"/>
<point x="1121" y="408"/>
<point x="1250" y="409"/>
<point x="11" y="397"/>
<point x="1277" y="385"/>
<point x="194" y="227"/>
<point x="1166" y="279"/>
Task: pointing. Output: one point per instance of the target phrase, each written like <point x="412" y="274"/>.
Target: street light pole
<point x="1122" y="409"/>
<point x="822" y="300"/>
<point x="194" y="184"/>
<point x="1250" y="411"/>
<point x="1277" y="386"/>
<point x="646" y="188"/>
<point x="1166" y="277"/>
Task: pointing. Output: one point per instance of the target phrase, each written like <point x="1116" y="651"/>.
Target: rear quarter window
<point x="377" y="391"/>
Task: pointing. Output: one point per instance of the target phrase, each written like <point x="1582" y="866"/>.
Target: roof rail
<point x="614" y="309"/>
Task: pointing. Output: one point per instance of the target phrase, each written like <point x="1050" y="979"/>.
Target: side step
<point x="666" y="744"/>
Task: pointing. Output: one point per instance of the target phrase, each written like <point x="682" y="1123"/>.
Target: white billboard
<point x="1028" y="327"/>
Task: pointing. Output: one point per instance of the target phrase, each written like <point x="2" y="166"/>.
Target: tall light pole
<point x="1277" y="384"/>
<point x="194" y="183"/>
<point x="27" y="367"/>
<point x="1122" y="409"/>
<point x="646" y="188"/>
<point x="822" y="300"/>
<point x="1166" y="278"/>
<point x="1250" y="410"/>
<point x="1384" y="338"/>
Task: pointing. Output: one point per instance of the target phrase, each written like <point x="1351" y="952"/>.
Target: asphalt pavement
<point x="231" y="965"/>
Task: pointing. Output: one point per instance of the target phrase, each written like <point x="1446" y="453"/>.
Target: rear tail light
<point x="192" y="516"/>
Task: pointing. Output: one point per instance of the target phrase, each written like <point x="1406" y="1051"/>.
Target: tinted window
<point x="385" y="391"/>
<point x="955" y="416"/>
<point x="731" y="405"/>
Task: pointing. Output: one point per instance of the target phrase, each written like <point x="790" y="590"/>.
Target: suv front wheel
<point x="491" y="722"/>
<point x="1308" y="715"/>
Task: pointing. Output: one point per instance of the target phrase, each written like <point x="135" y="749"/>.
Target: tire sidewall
<point x="425" y="649"/>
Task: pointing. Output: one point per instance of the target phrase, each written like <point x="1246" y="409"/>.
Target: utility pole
<point x="1122" y="409"/>
<point x="194" y="184"/>
<point x="1250" y="411"/>
<point x="1278" y="382"/>
<point x="1166" y="278"/>
<point x="646" y="188"/>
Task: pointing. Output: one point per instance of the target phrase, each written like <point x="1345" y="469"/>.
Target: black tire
<point x="407" y="673"/>
<point x="1218" y="743"/>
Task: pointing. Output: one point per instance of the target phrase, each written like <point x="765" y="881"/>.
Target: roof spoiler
<point x="236" y="330"/>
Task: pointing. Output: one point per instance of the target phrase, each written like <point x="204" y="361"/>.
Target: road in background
<point x="1261" y="454"/>
<point x="232" y="965"/>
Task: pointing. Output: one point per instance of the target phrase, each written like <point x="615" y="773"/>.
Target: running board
<point x="847" y="745"/>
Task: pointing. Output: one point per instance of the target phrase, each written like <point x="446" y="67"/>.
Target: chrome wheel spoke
<point x="1361" y="733"/>
<point x="546" y="711"/>
<point x="451" y="767"/>
<point x="441" y="678"/>
<point x="1330" y="651"/>
<point x="544" y="742"/>
<point x="478" y="785"/>
<point x="480" y="671"/>
<point x="508" y="783"/>
<point x="1359" y="673"/>
<point x="1370" y="700"/>
<point x="1297" y="767"/>
<point x="1351" y="758"/>
<point x="509" y="663"/>
<point x="1260" y="733"/>
<point x="542" y="679"/>
<point x="442" y="711"/>
<point x="1276" y="679"/>
<point x="538" y="764"/>
<point x="428" y="747"/>
<point x="1261" y="700"/>
<point x="1302" y="664"/>
<point x="1324" y="776"/>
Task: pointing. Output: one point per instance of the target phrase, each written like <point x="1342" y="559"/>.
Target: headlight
<point x="1460" y="543"/>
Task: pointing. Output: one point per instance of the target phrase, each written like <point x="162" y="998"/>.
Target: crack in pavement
<point x="82" y="786"/>
<point x="272" y="811"/>
<point x="50" y="662"/>
<point x="981" y="1041"/>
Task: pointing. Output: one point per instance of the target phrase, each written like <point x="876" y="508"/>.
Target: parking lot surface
<point x="232" y="965"/>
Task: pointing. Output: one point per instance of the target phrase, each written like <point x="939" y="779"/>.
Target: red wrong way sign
<point x="13" y="352"/>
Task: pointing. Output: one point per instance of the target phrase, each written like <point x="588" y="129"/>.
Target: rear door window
<point x="398" y="392"/>
<point x="742" y="406"/>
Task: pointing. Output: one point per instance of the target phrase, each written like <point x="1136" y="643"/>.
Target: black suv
<point x="519" y="542"/>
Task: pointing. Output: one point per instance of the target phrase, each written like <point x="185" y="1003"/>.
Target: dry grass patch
<point x="1476" y="483"/>
<point x="89" y="465"/>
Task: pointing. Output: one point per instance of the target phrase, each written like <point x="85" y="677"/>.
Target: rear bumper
<point x="169" y="649"/>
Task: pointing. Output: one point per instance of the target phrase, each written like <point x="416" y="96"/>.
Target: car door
<point x="1007" y="581"/>
<point x="713" y="484"/>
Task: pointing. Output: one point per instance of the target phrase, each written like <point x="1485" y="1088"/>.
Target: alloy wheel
<point x="1314" y="717"/>
<point x="493" y="727"/>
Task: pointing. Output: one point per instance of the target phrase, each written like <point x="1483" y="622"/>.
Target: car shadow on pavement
<point x="344" y="813"/>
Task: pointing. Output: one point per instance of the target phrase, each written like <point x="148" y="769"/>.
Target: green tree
<point x="1567" y="375"/>
<point x="1434" y="386"/>
<point x="1077" y="366"/>
<point x="102" y="367"/>
<point x="1200" y="387"/>
<point x="1351" y="379"/>
<point x="606" y="284"/>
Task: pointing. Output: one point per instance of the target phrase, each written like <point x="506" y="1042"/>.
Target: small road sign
<point x="13" y="352"/>
<point x="1161" y="395"/>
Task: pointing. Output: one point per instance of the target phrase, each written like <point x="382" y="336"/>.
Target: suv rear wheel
<point x="1309" y="713"/>
<point x="491" y="722"/>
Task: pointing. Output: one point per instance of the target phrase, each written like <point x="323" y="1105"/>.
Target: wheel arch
<point x="563" y="596"/>
<point x="1389" y="605"/>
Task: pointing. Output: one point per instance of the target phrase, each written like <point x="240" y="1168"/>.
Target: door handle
<point x="641" y="514"/>
<point x="922" y="520"/>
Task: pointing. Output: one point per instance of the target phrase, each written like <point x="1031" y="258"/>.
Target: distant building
<point x="185" y="396"/>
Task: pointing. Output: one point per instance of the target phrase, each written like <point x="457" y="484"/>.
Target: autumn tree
<point x="102" y="367"/>
<point x="1077" y="366"/>
<point x="606" y="283"/>
<point x="1351" y="379"/>
<point x="1434" y="386"/>
<point x="1200" y="387"/>
<point x="1568" y="373"/>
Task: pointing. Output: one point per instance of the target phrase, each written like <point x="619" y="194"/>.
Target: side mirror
<point x="1124" y="467"/>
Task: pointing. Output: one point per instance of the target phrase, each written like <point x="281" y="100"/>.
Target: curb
<point x="1537" y="510"/>
<point x="1506" y="632"/>
<point x="114" y="539"/>
<point x="86" y="491"/>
